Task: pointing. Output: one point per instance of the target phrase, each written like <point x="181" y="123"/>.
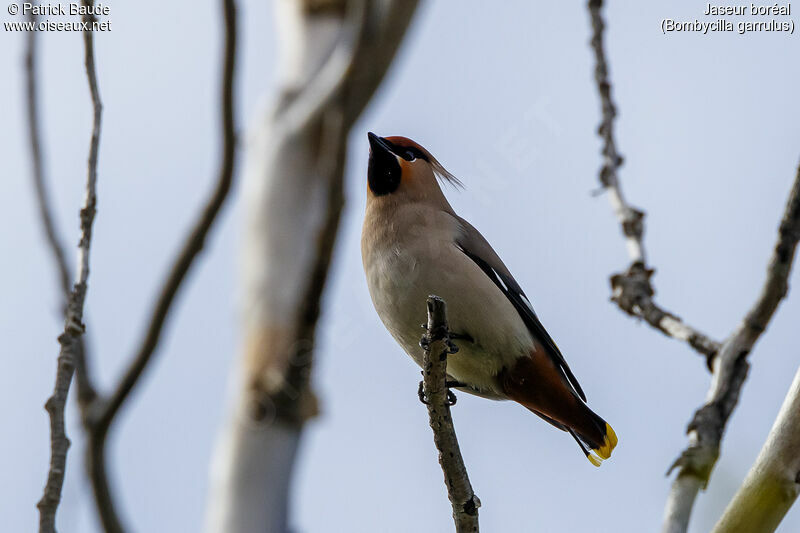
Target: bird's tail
<point x="539" y="386"/>
<point x="595" y="449"/>
<point x="595" y="436"/>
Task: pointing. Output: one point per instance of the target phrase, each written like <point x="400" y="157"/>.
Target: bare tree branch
<point x="633" y="293"/>
<point x="55" y="405"/>
<point x="773" y="483"/>
<point x="730" y="371"/>
<point x="70" y="340"/>
<point x="195" y="241"/>
<point x="632" y="290"/>
<point x="54" y="240"/>
<point x="436" y="345"/>
<point x="99" y="412"/>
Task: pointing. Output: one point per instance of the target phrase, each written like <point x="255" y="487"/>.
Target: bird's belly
<point x="400" y="283"/>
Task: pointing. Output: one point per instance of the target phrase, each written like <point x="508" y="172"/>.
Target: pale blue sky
<point x="503" y="96"/>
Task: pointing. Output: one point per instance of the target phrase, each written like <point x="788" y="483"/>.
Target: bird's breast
<point x="404" y="267"/>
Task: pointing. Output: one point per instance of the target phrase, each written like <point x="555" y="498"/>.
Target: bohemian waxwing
<point x="413" y="245"/>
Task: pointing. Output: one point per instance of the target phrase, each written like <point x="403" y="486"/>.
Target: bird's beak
<point x="384" y="171"/>
<point x="378" y="145"/>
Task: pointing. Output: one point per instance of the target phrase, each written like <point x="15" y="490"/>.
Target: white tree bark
<point x="773" y="483"/>
<point x="334" y="54"/>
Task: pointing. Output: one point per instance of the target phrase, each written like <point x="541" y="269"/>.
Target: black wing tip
<point x="528" y="315"/>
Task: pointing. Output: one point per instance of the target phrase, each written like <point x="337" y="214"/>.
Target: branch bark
<point x="99" y="412"/>
<point x="773" y="483"/>
<point x="70" y="341"/>
<point x="56" y="403"/>
<point x="729" y="373"/>
<point x="437" y="346"/>
<point x="335" y="53"/>
<point x="633" y="293"/>
<point x="632" y="290"/>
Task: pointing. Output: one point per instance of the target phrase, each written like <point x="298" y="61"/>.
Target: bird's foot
<point x="451" y="396"/>
<point x="421" y="393"/>
<point x="425" y="343"/>
<point x="452" y="348"/>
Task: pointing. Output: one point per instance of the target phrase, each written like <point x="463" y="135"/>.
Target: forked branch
<point x="773" y="483"/>
<point x="65" y="366"/>
<point x="729" y="373"/>
<point x="98" y="411"/>
<point x="632" y="290"/>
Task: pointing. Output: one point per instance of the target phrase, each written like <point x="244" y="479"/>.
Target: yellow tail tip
<point x="604" y="451"/>
<point x="596" y="461"/>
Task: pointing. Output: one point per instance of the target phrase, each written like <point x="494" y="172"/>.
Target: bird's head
<point x="398" y="165"/>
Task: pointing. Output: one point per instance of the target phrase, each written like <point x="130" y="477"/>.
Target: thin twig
<point x="55" y="405"/>
<point x="633" y="293"/>
<point x="195" y="242"/>
<point x="86" y="392"/>
<point x="632" y="290"/>
<point x="437" y="346"/>
<point x="71" y="339"/>
<point x="730" y="371"/>
<point x="100" y="413"/>
<point x="54" y="240"/>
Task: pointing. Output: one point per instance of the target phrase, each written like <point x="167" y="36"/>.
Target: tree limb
<point x="325" y="110"/>
<point x="632" y="290"/>
<point x="71" y="341"/>
<point x="436" y="345"/>
<point x="195" y="241"/>
<point x="730" y="367"/>
<point x="53" y="239"/>
<point x="335" y="53"/>
<point x="773" y="483"/>
<point x="99" y="412"/>
<point x="55" y="405"/>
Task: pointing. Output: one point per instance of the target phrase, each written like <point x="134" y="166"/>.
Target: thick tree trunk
<point x="334" y="55"/>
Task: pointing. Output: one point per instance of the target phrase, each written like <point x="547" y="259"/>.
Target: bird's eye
<point x="409" y="155"/>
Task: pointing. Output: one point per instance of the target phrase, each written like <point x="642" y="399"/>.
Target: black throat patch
<point x="383" y="172"/>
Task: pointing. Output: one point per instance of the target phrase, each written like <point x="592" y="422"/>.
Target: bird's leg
<point x="457" y="337"/>
<point x="451" y="396"/>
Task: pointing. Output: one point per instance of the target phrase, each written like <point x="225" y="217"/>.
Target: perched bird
<point x="413" y="244"/>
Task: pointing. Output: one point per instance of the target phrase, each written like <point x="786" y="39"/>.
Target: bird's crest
<point x="442" y="173"/>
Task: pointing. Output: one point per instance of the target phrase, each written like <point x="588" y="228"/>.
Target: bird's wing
<point x="475" y="246"/>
